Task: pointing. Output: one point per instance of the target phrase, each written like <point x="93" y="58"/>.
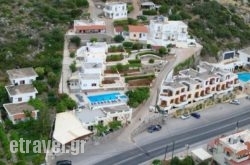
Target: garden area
<point x="137" y="96"/>
<point x="35" y="40"/>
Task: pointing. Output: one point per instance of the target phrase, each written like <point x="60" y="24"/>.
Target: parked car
<point x="153" y="128"/>
<point x="185" y="116"/>
<point x="195" y="115"/>
<point x="64" y="162"/>
<point x="236" y="102"/>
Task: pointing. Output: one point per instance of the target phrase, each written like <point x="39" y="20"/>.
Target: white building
<point x="89" y="26"/>
<point x="18" y="111"/>
<point x="91" y="61"/>
<point x="196" y="85"/>
<point x="21" y="93"/>
<point x="138" y="32"/>
<point x="244" y="55"/>
<point x="115" y="10"/>
<point x="104" y="115"/>
<point x="22" y="76"/>
<point x="163" y="32"/>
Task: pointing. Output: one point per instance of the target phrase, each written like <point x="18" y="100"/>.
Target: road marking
<point x="183" y="139"/>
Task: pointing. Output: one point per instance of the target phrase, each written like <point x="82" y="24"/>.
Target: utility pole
<point x="166" y="150"/>
<point x="173" y="150"/>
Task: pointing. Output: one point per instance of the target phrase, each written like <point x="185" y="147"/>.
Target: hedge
<point x="151" y="76"/>
<point x="114" y="57"/>
<point x="136" y="61"/>
<point x="149" y="12"/>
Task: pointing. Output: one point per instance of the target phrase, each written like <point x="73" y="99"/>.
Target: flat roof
<point x="20" y="89"/>
<point x="174" y="84"/>
<point x="116" y="108"/>
<point x="92" y="65"/>
<point x="89" y="116"/>
<point x="16" y="108"/>
<point x="237" y="141"/>
<point x="201" y="154"/>
<point x="246" y="50"/>
<point x="21" y="73"/>
<point x="89" y="76"/>
<point x="68" y="128"/>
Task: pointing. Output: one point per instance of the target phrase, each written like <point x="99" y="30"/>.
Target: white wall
<point x="244" y="57"/>
<point x="87" y="84"/>
<point x="25" y="97"/>
<point x="27" y="80"/>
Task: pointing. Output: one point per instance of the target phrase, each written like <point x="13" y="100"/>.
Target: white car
<point x="185" y="116"/>
<point x="236" y="102"/>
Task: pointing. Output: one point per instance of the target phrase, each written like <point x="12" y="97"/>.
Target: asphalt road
<point x="154" y="149"/>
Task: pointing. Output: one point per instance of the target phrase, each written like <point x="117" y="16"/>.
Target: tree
<point x="100" y="128"/>
<point x="72" y="54"/>
<point x="175" y="161"/>
<point x="93" y="39"/>
<point x="118" y="38"/>
<point x="76" y="40"/>
<point x="163" y="9"/>
<point x="40" y="71"/>
<point x="162" y="50"/>
<point x="156" y="162"/>
<point x="151" y="60"/>
<point x="52" y="79"/>
<point x="114" y="125"/>
<point x="3" y="94"/>
<point x="187" y="161"/>
<point x="73" y="67"/>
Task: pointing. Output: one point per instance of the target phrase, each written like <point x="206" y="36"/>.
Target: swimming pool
<point x="245" y="76"/>
<point x="107" y="98"/>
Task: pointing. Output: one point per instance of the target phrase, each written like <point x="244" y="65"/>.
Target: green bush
<point x="73" y="67"/>
<point x="72" y="55"/>
<point x="76" y="40"/>
<point x="127" y="44"/>
<point x="118" y="38"/>
<point x="150" y="76"/>
<point x="137" y="96"/>
<point x="149" y="12"/>
<point x="136" y="61"/>
<point x="151" y="60"/>
<point x="114" y="57"/>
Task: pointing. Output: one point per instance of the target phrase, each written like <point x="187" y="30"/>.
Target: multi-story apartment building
<point x="163" y="32"/>
<point x="91" y="60"/>
<point x="115" y="10"/>
<point x="89" y="26"/>
<point x="194" y="85"/>
<point x="233" y="149"/>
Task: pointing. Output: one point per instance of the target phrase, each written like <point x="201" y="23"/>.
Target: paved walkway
<point x="143" y="112"/>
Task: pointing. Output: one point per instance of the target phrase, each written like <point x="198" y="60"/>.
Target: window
<point x="183" y="89"/>
<point x="115" y="118"/>
<point x="93" y="85"/>
<point x="134" y="35"/>
<point x="189" y="96"/>
<point x="91" y="128"/>
<point x="100" y="122"/>
<point x="22" y="82"/>
<point x="248" y="59"/>
<point x="31" y="97"/>
<point x="19" y="99"/>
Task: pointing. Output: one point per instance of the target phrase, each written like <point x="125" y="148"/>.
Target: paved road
<point x="149" y="151"/>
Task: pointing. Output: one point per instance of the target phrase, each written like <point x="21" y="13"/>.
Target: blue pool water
<point x="245" y="76"/>
<point x="111" y="97"/>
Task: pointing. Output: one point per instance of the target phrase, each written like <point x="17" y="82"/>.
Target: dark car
<point x="195" y="115"/>
<point x="154" y="128"/>
<point x="64" y="162"/>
